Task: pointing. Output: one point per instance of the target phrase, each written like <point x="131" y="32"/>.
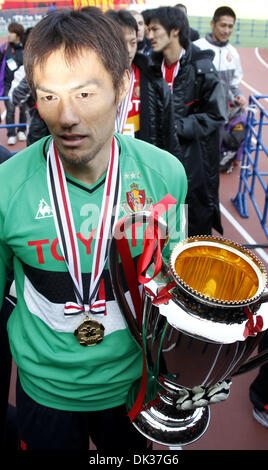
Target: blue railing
<point x="250" y="174"/>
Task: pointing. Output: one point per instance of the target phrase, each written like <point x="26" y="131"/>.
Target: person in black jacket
<point x="11" y="58"/>
<point x="144" y="45"/>
<point x="150" y="115"/>
<point x="199" y="113"/>
<point x="21" y="95"/>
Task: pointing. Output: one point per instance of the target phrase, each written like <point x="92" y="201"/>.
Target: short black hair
<point x="147" y="15"/>
<point x="124" y="18"/>
<point x="180" y="5"/>
<point x="223" y="11"/>
<point x="75" y="30"/>
<point x="173" y="18"/>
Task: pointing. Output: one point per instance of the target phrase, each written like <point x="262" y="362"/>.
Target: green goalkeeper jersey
<point x="54" y="369"/>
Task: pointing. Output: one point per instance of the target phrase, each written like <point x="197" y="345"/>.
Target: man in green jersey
<point x="59" y="202"/>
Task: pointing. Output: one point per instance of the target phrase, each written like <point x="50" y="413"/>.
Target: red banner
<point x="102" y="4"/>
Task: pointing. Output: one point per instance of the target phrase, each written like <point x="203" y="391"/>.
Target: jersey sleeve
<point x="238" y="75"/>
<point x="5" y="260"/>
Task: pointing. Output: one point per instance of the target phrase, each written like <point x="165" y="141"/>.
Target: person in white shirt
<point x="226" y="61"/>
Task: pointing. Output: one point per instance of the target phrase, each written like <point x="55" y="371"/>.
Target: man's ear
<point x="175" y="32"/>
<point x="124" y="87"/>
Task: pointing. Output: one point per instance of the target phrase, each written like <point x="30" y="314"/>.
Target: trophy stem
<point x="165" y="425"/>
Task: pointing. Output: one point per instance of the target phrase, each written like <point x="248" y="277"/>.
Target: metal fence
<point x="250" y="174"/>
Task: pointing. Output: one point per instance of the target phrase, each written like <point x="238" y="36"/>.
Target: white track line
<point x="260" y="58"/>
<point x="224" y="211"/>
<point x="256" y="92"/>
<point x="243" y="232"/>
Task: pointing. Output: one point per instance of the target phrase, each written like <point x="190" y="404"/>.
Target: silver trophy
<point x="203" y="316"/>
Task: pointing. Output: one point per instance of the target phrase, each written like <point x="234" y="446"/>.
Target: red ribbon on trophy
<point x="250" y="328"/>
<point x="152" y="247"/>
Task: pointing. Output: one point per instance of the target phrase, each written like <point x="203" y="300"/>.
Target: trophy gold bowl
<point x="199" y="335"/>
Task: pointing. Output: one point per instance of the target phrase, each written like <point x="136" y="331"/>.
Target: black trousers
<point x="258" y="391"/>
<point x="46" y="429"/>
<point x="8" y="437"/>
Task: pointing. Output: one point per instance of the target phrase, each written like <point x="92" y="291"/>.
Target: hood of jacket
<point x="210" y="39"/>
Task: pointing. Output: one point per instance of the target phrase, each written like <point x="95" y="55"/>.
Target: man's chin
<point x="75" y="158"/>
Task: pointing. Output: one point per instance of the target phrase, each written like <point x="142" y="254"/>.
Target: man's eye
<point x="48" y="98"/>
<point x="84" y="94"/>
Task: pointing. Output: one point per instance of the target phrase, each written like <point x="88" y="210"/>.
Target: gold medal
<point x="89" y="333"/>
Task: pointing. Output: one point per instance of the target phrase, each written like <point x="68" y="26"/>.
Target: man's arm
<point x="239" y="98"/>
<point x="211" y="109"/>
<point x="5" y="262"/>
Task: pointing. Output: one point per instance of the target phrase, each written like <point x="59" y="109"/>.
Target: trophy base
<point x="164" y="424"/>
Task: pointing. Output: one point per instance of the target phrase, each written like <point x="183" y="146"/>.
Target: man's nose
<point x="68" y="114"/>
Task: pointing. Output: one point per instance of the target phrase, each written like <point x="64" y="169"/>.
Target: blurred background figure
<point x="147" y="112"/>
<point x="226" y="60"/>
<point x="199" y="113"/>
<point x="144" y="44"/>
<point x="20" y="95"/>
<point x="11" y="58"/>
<point x="52" y="7"/>
<point x="194" y="35"/>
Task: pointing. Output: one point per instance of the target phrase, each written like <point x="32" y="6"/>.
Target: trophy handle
<point x="262" y="357"/>
<point x="116" y="270"/>
<point x="264" y="297"/>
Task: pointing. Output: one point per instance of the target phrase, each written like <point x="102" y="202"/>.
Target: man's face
<point x="77" y="101"/>
<point x="159" y="37"/>
<point x="223" y="28"/>
<point x="13" y="37"/>
<point x="141" y="26"/>
<point x="131" y="42"/>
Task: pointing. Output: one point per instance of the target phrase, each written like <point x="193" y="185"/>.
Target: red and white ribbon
<point x="175" y="70"/>
<point x="64" y="223"/>
<point x="123" y="108"/>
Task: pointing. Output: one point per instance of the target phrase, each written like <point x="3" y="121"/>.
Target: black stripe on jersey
<point x="57" y="287"/>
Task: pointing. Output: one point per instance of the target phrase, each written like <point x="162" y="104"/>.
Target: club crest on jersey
<point x="44" y="210"/>
<point x="136" y="199"/>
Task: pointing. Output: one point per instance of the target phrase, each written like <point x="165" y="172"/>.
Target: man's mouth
<point x="70" y="140"/>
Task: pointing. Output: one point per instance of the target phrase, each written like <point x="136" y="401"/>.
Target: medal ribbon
<point x="123" y="108"/>
<point x="64" y="223"/>
<point x="175" y="70"/>
<point x="174" y="74"/>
